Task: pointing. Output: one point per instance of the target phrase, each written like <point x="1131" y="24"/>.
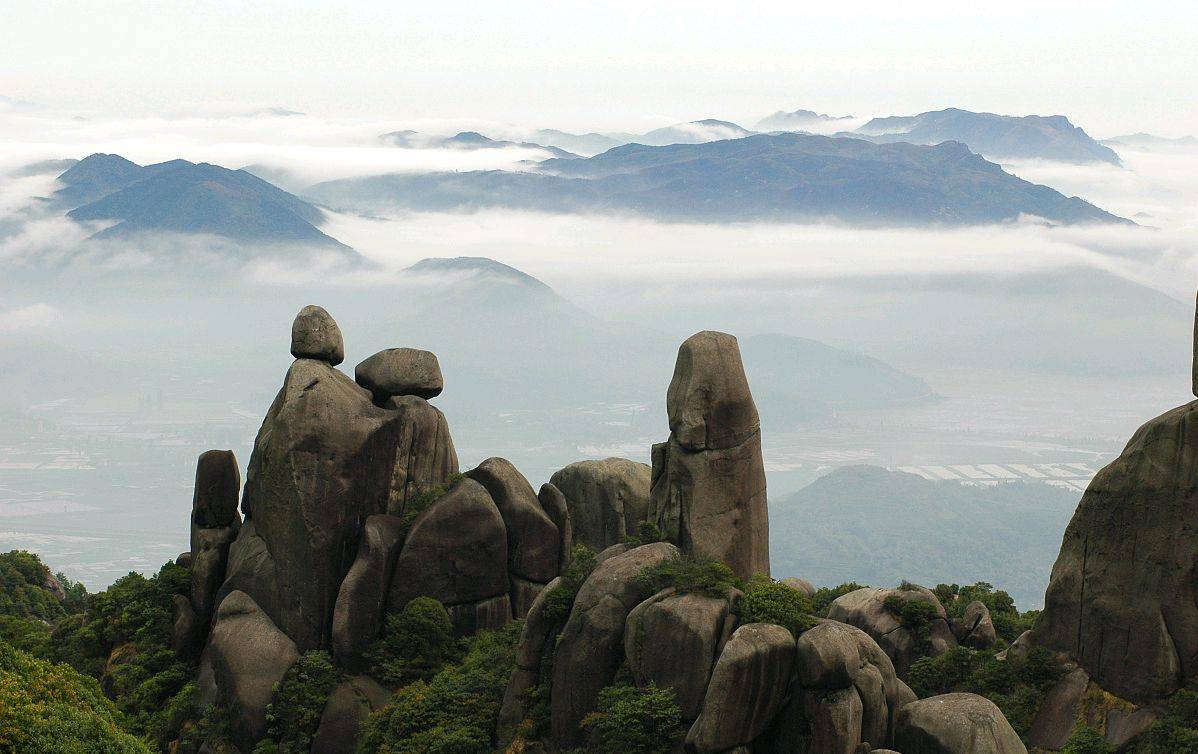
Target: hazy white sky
<point x="1112" y="67"/>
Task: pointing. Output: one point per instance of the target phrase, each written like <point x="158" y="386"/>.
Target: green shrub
<point x="1177" y="731"/>
<point x="48" y="708"/>
<point x="23" y="592"/>
<point x="1007" y="620"/>
<point x="417" y="641"/>
<point x="297" y="702"/>
<point x="1087" y="740"/>
<point x="647" y="533"/>
<point x="1018" y="688"/>
<point x="768" y="601"/>
<point x="455" y="712"/>
<point x="825" y="596"/>
<point x="135" y="614"/>
<point x="916" y="616"/>
<point x="931" y="676"/>
<point x="31" y="636"/>
<point x="689" y="574"/>
<point x="421" y="502"/>
<point x="560" y="600"/>
<point x="634" y="721"/>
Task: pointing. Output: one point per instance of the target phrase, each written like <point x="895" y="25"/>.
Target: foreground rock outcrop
<point x="1123" y="597"/>
<point x="353" y="506"/>
<point x="708" y="493"/>
<point x="607" y="500"/>
<point x="878" y="613"/>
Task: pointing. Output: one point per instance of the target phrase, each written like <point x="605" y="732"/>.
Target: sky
<point x="1110" y="67"/>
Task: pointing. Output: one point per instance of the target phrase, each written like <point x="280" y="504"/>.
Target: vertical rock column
<point x="708" y="491"/>
<point x="214" y="525"/>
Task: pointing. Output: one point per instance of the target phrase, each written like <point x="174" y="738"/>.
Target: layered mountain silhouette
<point x="1152" y="141"/>
<point x="997" y="136"/>
<point x="799" y="120"/>
<point x="778" y="177"/>
<point x="877" y="526"/>
<point x="185" y="197"/>
<point x="463" y="140"/>
<point x="507" y="333"/>
<point x="694" y="132"/>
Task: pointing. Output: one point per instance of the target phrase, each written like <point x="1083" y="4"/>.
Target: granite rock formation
<point x="607" y="500"/>
<point x="708" y="479"/>
<point x="315" y="335"/>
<point x="401" y="371"/>
<point x="867" y="609"/>
<point x="1123" y="597"/>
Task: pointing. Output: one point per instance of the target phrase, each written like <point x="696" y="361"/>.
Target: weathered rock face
<point x="671" y="640"/>
<point x="214" y="525"/>
<point x="535" y="647"/>
<point x="217" y="489"/>
<point x="866" y="609"/>
<point x="322" y="464"/>
<point x="456" y="551"/>
<point x="362" y="598"/>
<point x="845" y="693"/>
<point x="553" y="502"/>
<point x="484" y="615"/>
<point x="1058" y="713"/>
<point x="348" y="706"/>
<point x="708" y="492"/>
<point x="424" y="454"/>
<point x="802" y="586"/>
<point x="591" y="646"/>
<point x="955" y="724"/>
<point x="401" y="371"/>
<point x="1123" y="596"/>
<point x="533" y="543"/>
<point x="249" y="655"/>
<point x="607" y="500"/>
<point x="185" y="629"/>
<point x="975" y="628"/>
<point x="747" y="688"/>
<point x="315" y="335"/>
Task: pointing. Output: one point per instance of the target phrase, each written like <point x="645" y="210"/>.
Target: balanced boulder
<point x="607" y="499"/>
<point x="955" y="724"/>
<point x="401" y="371"/>
<point x="708" y="480"/>
<point x="315" y="335"/>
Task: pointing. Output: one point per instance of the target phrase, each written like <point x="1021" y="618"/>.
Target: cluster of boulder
<point x="353" y="505"/>
<point x="739" y="687"/>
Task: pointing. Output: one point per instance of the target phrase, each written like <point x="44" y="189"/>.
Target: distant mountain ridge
<point x="880" y="527"/>
<point x="998" y="136"/>
<point x="464" y="140"/>
<point x="798" y="120"/>
<point x="185" y="197"/>
<point x="765" y="177"/>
